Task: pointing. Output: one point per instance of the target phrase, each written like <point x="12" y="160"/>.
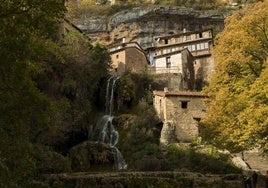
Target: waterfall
<point x="109" y="135"/>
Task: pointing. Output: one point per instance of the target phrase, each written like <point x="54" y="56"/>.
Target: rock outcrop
<point x="142" y="24"/>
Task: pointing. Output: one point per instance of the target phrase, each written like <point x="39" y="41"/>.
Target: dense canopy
<point x="237" y="111"/>
<point x="48" y="84"/>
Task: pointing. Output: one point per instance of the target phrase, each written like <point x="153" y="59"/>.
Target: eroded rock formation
<point x="142" y="24"/>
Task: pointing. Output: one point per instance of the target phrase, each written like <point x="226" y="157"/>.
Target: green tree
<point x="237" y="86"/>
<point x="24" y="26"/>
<point x="72" y="77"/>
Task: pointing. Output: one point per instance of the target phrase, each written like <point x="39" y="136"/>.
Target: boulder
<point x="88" y="156"/>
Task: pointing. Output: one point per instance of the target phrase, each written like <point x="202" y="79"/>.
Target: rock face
<point x="142" y="24"/>
<point x="92" y="24"/>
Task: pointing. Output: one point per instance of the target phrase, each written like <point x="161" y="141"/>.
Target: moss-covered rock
<point x="89" y="156"/>
<point x="144" y="179"/>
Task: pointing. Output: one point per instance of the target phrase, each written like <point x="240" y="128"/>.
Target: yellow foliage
<point x="237" y="112"/>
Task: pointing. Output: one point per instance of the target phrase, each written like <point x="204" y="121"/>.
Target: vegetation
<point x="238" y="89"/>
<point x="140" y="129"/>
<point x="51" y="90"/>
<point x="77" y="9"/>
<point x="48" y="86"/>
<point x="25" y="27"/>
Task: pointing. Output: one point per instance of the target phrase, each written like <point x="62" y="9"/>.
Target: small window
<point x="168" y="63"/>
<point x="188" y="37"/>
<point x="117" y="56"/>
<point x="189" y="48"/>
<point x="200" y="35"/>
<point x="198" y="47"/>
<point x="206" y="45"/>
<point x="184" y="104"/>
<point x="193" y="47"/>
<point x="202" y="46"/>
<point x="166" y="41"/>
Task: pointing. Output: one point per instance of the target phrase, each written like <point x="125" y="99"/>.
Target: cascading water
<point x="109" y="134"/>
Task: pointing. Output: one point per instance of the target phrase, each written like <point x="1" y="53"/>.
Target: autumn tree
<point x="237" y="116"/>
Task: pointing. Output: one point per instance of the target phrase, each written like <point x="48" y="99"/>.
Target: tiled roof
<point x="179" y="93"/>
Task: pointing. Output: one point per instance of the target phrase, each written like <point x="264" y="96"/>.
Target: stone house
<point x="199" y="43"/>
<point x="127" y="57"/>
<point x="180" y="113"/>
<point x="177" y="66"/>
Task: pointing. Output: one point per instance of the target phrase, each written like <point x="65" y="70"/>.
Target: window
<point x="202" y="46"/>
<point x="166" y="41"/>
<point x="198" y="47"/>
<point x="188" y="37"/>
<point x="193" y="47"/>
<point x="184" y="104"/>
<point x="168" y="63"/>
<point x="206" y="45"/>
<point x="189" y="48"/>
<point x="200" y="35"/>
<point x="117" y="56"/>
<point x="168" y="50"/>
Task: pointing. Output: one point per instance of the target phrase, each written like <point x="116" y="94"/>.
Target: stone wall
<point x="180" y="113"/>
<point x="128" y="59"/>
<point x="136" y="60"/>
<point x="186" y="127"/>
<point x="203" y="67"/>
<point x="118" y="62"/>
<point x="188" y="75"/>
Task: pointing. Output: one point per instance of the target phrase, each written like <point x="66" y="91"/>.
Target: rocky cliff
<point x="142" y="24"/>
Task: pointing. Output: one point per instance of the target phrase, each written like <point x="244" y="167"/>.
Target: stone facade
<point x="180" y="113"/>
<point x="199" y="44"/>
<point x="178" y="68"/>
<point x="127" y="57"/>
<point x="204" y="67"/>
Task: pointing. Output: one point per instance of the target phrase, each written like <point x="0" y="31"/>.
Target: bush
<point x="205" y="160"/>
<point x="49" y="162"/>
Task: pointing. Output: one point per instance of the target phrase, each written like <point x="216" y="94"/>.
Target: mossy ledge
<point x="142" y="179"/>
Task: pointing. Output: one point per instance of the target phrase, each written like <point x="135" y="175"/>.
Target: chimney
<point x="165" y="89"/>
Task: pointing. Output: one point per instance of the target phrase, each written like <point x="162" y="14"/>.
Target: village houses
<point x="198" y="43"/>
<point x="183" y="62"/>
